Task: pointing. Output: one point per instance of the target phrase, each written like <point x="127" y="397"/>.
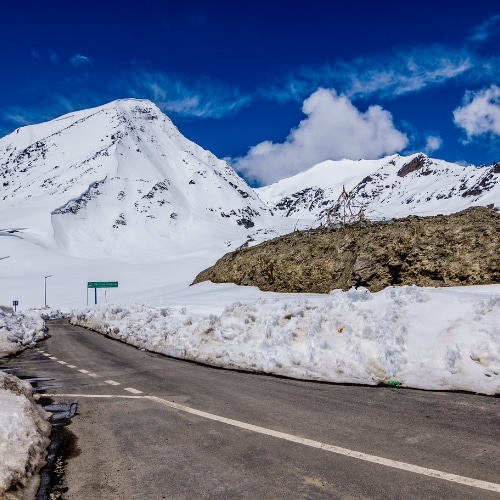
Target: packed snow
<point x="24" y="429"/>
<point x="437" y="339"/>
<point x="19" y="331"/>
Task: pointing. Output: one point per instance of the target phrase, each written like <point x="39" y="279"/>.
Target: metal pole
<point x="45" y="288"/>
<point x="95" y="295"/>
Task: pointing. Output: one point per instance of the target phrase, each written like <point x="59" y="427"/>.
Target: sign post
<point x="100" y="284"/>
<point x="15" y="303"/>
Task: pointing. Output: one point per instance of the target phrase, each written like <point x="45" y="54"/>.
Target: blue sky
<point x="273" y="88"/>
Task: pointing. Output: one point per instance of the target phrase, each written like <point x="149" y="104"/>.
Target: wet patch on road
<point x="63" y="446"/>
<point x="63" y="443"/>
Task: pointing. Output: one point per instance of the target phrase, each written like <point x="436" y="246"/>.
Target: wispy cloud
<point x="479" y="114"/>
<point x="79" y="60"/>
<point x="203" y="98"/>
<point x="50" y="56"/>
<point x="334" y="129"/>
<point x="384" y="76"/>
<point x="20" y="116"/>
<point x="56" y="104"/>
<point x="485" y="30"/>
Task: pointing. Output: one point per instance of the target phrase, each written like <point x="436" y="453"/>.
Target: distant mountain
<point x="121" y="179"/>
<point x="395" y="186"/>
<point x="117" y="193"/>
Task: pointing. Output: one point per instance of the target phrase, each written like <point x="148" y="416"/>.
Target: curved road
<point x="150" y="427"/>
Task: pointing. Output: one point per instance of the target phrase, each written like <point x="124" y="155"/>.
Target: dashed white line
<point x="454" y="478"/>
<point x="63" y="362"/>
<point x="52" y="357"/>
<point x="72" y="366"/>
<point x="111" y="382"/>
<point x="94" y="375"/>
<point x="45" y="354"/>
<point x="83" y="371"/>
<point x="132" y="390"/>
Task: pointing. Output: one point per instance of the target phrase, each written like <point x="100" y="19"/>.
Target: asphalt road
<point x="198" y="432"/>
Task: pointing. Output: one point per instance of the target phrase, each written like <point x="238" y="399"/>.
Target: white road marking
<point x="84" y="371"/>
<point x="63" y="362"/>
<point x="132" y="390"/>
<point x="94" y="375"/>
<point x="111" y="382"/>
<point x="71" y="366"/>
<point x="52" y="357"/>
<point x="99" y="396"/>
<point x="446" y="476"/>
<point x="46" y="354"/>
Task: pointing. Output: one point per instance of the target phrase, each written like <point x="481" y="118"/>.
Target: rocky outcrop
<point x="416" y="164"/>
<point x="458" y="249"/>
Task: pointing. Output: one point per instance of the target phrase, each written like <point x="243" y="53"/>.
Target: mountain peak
<point x="394" y="186"/>
<point x="118" y="171"/>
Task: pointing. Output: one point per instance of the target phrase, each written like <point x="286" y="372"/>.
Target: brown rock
<point x="459" y="249"/>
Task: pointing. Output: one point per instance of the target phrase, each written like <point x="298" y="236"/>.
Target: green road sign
<point x="102" y="284"/>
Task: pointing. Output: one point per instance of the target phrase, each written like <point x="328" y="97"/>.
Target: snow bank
<point x="437" y="339"/>
<point x="19" y="330"/>
<point x="24" y="435"/>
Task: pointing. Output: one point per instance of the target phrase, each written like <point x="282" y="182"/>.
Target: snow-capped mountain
<point x="394" y="186"/>
<point x="119" y="179"/>
<point x="117" y="193"/>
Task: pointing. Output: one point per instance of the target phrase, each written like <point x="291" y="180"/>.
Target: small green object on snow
<point x="394" y="383"/>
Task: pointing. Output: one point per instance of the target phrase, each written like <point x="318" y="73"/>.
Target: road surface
<point x="151" y="427"/>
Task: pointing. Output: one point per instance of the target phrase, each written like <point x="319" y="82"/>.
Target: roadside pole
<point x="99" y="284"/>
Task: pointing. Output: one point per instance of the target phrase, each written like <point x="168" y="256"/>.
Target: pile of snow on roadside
<point x="19" y="330"/>
<point x="436" y="339"/>
<point x="24" y="433"/>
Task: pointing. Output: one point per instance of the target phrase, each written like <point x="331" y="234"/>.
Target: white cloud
<point x="334" y="129"/>
<point x="480" y="112"/>
<point x="433" y="143"/>
<point x="78" y="60"/>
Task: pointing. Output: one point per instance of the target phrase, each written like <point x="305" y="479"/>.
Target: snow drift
<point x="438" y="339"/>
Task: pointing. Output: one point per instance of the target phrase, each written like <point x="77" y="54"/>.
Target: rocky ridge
<point x="443" y="250"/>
<point x="394" y="186"/>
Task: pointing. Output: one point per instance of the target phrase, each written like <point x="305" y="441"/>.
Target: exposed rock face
<point x="458" y="249"/>
<point x="415" y="164"/>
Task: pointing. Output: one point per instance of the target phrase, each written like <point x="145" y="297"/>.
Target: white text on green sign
<point x="102" y="284"/>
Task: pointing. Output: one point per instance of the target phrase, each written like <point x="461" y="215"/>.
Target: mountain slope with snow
<point x="394" y="186"/>
<point x="116" y="193"/>
<point x="119" y="179"/>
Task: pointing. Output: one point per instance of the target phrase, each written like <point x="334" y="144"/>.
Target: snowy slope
<point x="116" y="193"/>
<point x="120" y="176"/>
<point x="394" y="186"/>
